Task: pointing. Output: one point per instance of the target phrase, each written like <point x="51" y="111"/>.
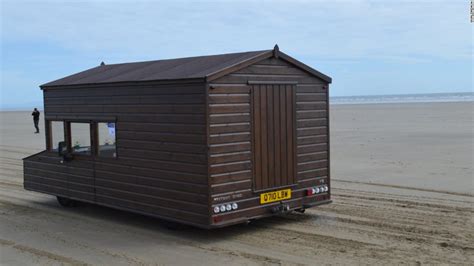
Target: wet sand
<point x="423" y="145"/>
<point x="402" y="191"/>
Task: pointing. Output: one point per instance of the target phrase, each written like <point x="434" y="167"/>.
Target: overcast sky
<point x="367" y="47"/>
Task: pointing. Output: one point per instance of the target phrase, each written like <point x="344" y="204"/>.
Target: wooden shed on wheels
<point x="208" y="141"/>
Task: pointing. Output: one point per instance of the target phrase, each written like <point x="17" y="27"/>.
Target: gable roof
<point x="209" y="67"/>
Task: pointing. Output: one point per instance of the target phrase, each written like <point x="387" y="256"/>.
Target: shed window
<point x="81" y="138"/>
<point x="57" y="134"/>
<point x="106" y="141"/>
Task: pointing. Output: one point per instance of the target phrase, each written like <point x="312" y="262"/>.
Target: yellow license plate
<point x="273" y="196"/>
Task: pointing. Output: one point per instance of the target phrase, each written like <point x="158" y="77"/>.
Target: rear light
<point x="226" y="207"/>
<point x="316" y="190"/>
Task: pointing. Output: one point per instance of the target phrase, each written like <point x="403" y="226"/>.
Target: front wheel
<point x="65" y="202"/>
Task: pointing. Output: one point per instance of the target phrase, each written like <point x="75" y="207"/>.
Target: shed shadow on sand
<point x="113" y="216"/>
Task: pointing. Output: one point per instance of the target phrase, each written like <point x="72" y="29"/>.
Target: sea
<point x="404" y="98"/>
<point x="360" y="99"/>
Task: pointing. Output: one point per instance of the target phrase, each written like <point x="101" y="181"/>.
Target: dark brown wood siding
<point x="274" y="141"/>
<point x="184" y="145"/>
<point x="231" y="158"/>
<point x="162" y="165"/>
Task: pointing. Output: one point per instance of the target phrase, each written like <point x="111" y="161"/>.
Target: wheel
<point x="300" y="210"/>
<point x="65" y="202"/>
<point x="172" y="226"/>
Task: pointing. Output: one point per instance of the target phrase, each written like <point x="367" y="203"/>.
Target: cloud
<point x="342" y="29"/>
<point x="349" y="40"/>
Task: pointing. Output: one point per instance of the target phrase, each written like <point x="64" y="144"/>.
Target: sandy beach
<point x="417" y="145"/>
<point x="402" y="179"/>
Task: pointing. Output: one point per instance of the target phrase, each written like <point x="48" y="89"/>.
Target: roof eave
<point x="262" y="56"/>
<point x="305" y="67"/>
<point x="237" y="66"/>
<point x="109" y="84"/>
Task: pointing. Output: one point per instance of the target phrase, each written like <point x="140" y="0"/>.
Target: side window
<point x="57" y="134"/>
<point x="81" y="138"/>
<point x="106" y="143"/>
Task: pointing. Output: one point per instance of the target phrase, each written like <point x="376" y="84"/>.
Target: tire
<point x="65" y="202"/>
<point x="172" y="226"/>
<point x="300" y="210"/>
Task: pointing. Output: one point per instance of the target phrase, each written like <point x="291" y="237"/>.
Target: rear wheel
<point x="300" y="210"/>
<point x="65" y="202"/>
<point x="173" y="226"/>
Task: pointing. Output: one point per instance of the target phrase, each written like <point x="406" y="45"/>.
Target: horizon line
<point x="23" y="107"/>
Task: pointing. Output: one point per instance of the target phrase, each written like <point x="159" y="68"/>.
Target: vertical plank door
<point x="274" y="135"/>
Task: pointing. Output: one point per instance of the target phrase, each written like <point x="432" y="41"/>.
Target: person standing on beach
<point x="36" y="118"/>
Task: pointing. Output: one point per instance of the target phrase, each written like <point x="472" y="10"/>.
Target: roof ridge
<point x="125" y="71"/>
<point x="188" y="57"/>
